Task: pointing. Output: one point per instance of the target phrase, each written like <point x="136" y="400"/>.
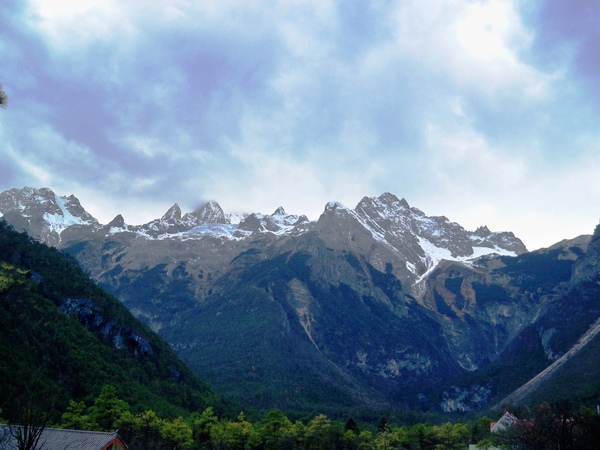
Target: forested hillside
<point x="62" y="338"/>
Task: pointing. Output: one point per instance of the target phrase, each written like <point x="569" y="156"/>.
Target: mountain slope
<point x="559" y="303"/>
<point x="300" y="276"/>
<point x="570" y="332"/>
<point x="61" y="338"/>
<point x="377" y="306"/>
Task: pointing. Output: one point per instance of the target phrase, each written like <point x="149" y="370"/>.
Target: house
<point x="505" y="422"/>
<point x="63" y="439"/>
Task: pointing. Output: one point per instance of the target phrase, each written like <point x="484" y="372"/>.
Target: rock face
<point x="43" y="214"/>
<point x="121" y="336"/>
<point x="376" y="306"/>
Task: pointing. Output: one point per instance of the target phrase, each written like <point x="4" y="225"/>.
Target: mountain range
<point x="380" y="306"/>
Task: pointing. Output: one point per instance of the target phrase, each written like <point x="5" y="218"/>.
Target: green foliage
<point x="319" y="433"/>
<point x="177" y="434"/>
<point x="53" y="358"/>
<point x="10" y="275"/>
<point x="74" y="417"/>
<point x="144" y="431"/>
<point x="276" y="430"/>
<point x="554" y="426"/>
<point x="108" y="410"/>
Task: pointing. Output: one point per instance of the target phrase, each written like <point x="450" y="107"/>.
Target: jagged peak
<point x="209" y="212"/>
<point x="211" y="206"/>
<point x="302" y="219"/>
<point x="173" y="213"/>
<point x="482" y="231"/>
<point x="596" y="235"/>
<point x="384" y="201"/>
<point x="29" y="192"/>
<point x="41" y="191"/>
<point x="390" y="199"/>
<point x="117" y="222"/>
<point x="279" y="212"/>
<point x="334" y="206"/>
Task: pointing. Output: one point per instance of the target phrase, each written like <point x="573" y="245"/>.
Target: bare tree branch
<point x="3" y="98"/>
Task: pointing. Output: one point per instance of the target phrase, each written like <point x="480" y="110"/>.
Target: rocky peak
<point x="391" y="200"/>
<point x="279" y="222"/>
<point x="44" y="214"/>
<point x="279" y="212"/>
<point x="29" y="202"/>
<point x="210" y="212"/>
<point x="250" y="223"/>
<point x="334" y="208"/>
<point x="73" y="206"/>
<point x="302" y="219"/>
<point x="483" y="231"/>
<point x="504" y="240"/>
<point x="596" y="236"/>
<point x="117" y="222"/>
<point x="117" y="225"/>
<point x="385" y="206"/>
<point x="588" y="267"/>
<point x="173" y="214"/>
<point x="44" y="203"/>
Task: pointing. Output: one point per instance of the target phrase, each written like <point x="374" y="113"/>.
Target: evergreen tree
<point x="276" y="429"/>
<point x="108" y="410"/>
<point x="177" y="433"/>
<point x="74" y="417"/>
<point x="351" y="425"/>
<point x="319" y="432"/>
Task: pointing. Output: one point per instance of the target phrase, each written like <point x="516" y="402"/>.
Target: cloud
<point x="476" y="43"/>
<point x="465" y="105"/>
<point x="462" y="160"/>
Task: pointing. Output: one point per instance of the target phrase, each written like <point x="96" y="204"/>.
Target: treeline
<point x="549" y="426"/>
<point x="561" y="426"/>
<point x="206" y="430"/>
<point x="546" y="427"/>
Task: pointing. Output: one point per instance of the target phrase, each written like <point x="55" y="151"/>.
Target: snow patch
<point x="58" y="222"/>
<point x="434" y="255"/>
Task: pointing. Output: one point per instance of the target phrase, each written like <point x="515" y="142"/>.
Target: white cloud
<point x="475" y="42"/>
<point x="476" y="185"/>
<point x="462" y="160"/>
<point x="75" y="24"/>
<point x="266" y="173"/>
<point x="105" y="205"/>
<point x="43" y="153"/>
<point x="260" y="104"/>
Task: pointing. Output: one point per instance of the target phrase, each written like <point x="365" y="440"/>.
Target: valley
<point x="376" y="307"/>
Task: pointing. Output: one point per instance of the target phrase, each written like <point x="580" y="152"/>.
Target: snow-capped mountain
<point x="380" y="305"/>
<point x="424" y="241"/>
<point x="42" y="213"/>
<point x="421" y="241"/>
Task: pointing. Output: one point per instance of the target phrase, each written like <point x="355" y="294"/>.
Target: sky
<point x="484" y="111"/>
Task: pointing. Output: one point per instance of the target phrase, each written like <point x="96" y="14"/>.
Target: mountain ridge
<point x="426" y="240"/>
<point x="377" y="305"/>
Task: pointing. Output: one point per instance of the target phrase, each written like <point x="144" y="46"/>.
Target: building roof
<point x="63" y="439"/>
<point x="506" y="421"/>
